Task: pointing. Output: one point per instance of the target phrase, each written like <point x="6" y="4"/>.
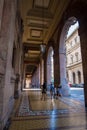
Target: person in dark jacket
<point x="59" y="90"/>
<point x="44" y="89"/>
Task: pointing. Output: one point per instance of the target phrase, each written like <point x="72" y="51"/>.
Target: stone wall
<point x="6" y="40"/>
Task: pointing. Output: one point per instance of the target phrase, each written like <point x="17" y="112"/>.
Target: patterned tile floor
<point x="64" y="113"/>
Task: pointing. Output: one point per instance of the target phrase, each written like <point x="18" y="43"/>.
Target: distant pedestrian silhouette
<point x="44" y="89"/>
<point x="51" y="90"/>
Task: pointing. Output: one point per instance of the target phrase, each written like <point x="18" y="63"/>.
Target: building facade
<point x="74" y="66"/>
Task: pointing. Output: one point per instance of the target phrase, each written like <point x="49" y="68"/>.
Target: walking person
<point x="51" y="90"/>
<point x="59" y="90"/>
<point x="44" y="89"/>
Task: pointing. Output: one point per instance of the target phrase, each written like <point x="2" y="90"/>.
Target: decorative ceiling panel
<point x="41" y="3"/>
<point x="36" y="33"/>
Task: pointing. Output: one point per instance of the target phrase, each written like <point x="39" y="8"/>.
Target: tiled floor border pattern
<point x="25" y="108"/>
<point x="81" y="127"/>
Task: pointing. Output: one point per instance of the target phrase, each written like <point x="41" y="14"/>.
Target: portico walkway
<point x="64" y="113"/>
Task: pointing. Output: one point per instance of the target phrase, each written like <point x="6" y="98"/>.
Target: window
<point x="71" y="59"/>
<point x="76" y="54"/>
<point x="74" y="77"/>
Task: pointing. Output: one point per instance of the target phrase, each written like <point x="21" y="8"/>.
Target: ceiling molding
<point x="31" y="63"/>
<point x="39" y="13"/>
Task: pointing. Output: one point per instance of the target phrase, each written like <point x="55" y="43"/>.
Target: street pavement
<point x="77" y="93"/>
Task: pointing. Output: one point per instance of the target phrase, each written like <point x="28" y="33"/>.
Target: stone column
<point x="45" y="68"/>
<point x="83" y="39"/>
<point x="63" y="79"/>
<point x="56" y="69"/>
<point x="6" y="45"/>
<point x="41" y="71"/>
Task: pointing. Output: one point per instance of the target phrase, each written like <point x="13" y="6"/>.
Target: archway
<point x="50" y="66"/>
<point x="62" y="56"/>
<point x="70" y="55"/>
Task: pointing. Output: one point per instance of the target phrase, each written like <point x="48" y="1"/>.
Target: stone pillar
<point x="41" y="71"/>
<point x="63" y="79"/>
<point x="45" y="68"/>
<point x="6" y="72"/>
<point x="83" y="39"/>
<point x="56" y="69"/>
<point x="49" y="77"/>
<point x="50" y="69"/>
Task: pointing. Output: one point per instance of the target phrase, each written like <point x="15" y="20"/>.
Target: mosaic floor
<point x="64" y="113"/>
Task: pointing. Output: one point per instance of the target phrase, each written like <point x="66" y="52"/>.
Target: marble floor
<point x="32" y="113"/>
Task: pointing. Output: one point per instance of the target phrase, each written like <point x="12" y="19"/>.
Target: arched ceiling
<point x="40" y="19"/>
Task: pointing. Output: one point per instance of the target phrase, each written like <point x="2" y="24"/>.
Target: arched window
<point x="74" y="77"/>
<point x="79" y="77"/>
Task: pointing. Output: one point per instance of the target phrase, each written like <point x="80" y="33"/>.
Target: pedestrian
<point x="51" y="90"/>
<point x="58" y="91"/>
<point x="44" y="89"/>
